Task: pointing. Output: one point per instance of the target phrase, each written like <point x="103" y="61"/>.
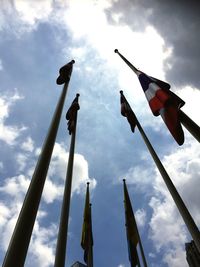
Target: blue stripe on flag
<point x="145" y="81"/>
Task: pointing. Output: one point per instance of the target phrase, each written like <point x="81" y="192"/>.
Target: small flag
<point x="65" y="73"/>
<point x="87" y="238"/>
<point x="161" y="100"/>
<point x="127" y="112"/>
<point x="71" y="114"/>
<point x="131" y="229"/>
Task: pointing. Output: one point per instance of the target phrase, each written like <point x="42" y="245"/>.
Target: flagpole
<point x="19" y="243"/>
<point x="193" y="229"/>
<point x="90" y="254"/>
<point x="190" y="125"/>
<point x="64" y="217"/>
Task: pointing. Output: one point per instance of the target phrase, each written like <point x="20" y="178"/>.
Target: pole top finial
<point x="73" y="61"/>
<point x="88" y="183"/>
<point x="78" y="95"/>
<point x="116" y="51"/>
<point x="121" y="92"/>
<point x="124" y="180"/>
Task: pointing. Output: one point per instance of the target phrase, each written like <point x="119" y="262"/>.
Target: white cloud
<point x="42" y="245"/>
<point x="8" y="133"/>
<point x="58" y="167"/>
<point x="32" y="11"/>
<point x="140" y="216"/>
<point x="28" y="145"/>
<point x="41" y="251"/>
<point x="15" y="186"/>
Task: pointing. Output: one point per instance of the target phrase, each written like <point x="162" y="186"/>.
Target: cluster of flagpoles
<point x="162" y="102"/>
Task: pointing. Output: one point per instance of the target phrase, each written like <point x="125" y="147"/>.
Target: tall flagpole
<point x="190" y="125"/>
<point x="64" y="218"/>
<point x="17" y="250"/>
<point x="193" y="229"/>
<point x="139" y="239"/>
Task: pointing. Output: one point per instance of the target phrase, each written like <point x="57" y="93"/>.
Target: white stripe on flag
<point x="151" y="91"/>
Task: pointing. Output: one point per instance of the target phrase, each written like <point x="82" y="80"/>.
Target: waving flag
<point x="127" y="112"/>
<point x="71" y="114"/>
<point x="131" y="229"/>
<point x="65" y="73"/>
<point x="161" y="101"/>
<point x="87" y="237"/>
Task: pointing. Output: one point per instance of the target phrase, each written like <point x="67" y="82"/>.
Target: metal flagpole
<point x="190" y="125"/>
<point x="193" y="229"/>
<point x="64" y="218"/>
<point x="17" y="250"/>
<point x="90" y="252"/>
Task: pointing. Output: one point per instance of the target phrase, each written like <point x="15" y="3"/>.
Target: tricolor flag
<point x="161" y="101"/>
<point x="131" y="229"/>
<point x="65" y="73"/>
<point x="127" y="112"/>
<point x="71" y="114"/>
<point x="87" y="237"/>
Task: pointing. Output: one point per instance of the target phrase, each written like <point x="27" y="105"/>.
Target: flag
<point x="87" y="238"/>
<point x="127" y="112"/>
<point x="71" y="114"/>
<point x="65" y="73"/>
<point x="161" y="100"/>
<point x="131" y="229"/>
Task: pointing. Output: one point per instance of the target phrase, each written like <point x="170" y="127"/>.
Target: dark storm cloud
<point x="178" y="23"/>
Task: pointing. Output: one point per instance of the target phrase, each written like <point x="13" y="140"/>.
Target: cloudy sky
<point x="36" y="39"/>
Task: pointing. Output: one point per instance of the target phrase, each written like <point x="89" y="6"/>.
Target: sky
<point x="37" y="37"/>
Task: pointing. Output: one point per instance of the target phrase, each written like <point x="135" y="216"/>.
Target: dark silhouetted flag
<point x="65" y="73"/>
<point x="131" y="229"/>
<point x="127" y="112"/>
<point x="71" y="114"/>
<point x="161" y="101"/>
<point x="87" y="238"/>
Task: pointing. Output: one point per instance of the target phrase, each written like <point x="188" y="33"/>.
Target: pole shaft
<point x="193" y="229"/>
<point x="90" y="256"/>
<point x="64" y="218"/>
<point x="142" y="252"/>
<point x="17" y="250"/>
<point x="190" y="125"/>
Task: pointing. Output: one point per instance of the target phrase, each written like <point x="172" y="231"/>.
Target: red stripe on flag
<point x="158" y="101"/>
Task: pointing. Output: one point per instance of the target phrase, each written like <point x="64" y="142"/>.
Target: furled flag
<point x="161" y="100"/>
<point x="65" y="73"/>
<point x="71" y="114"/>
<point x="131" y="229"/>
<point x="127" y="112"/>
<point x="87" y="237"/>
